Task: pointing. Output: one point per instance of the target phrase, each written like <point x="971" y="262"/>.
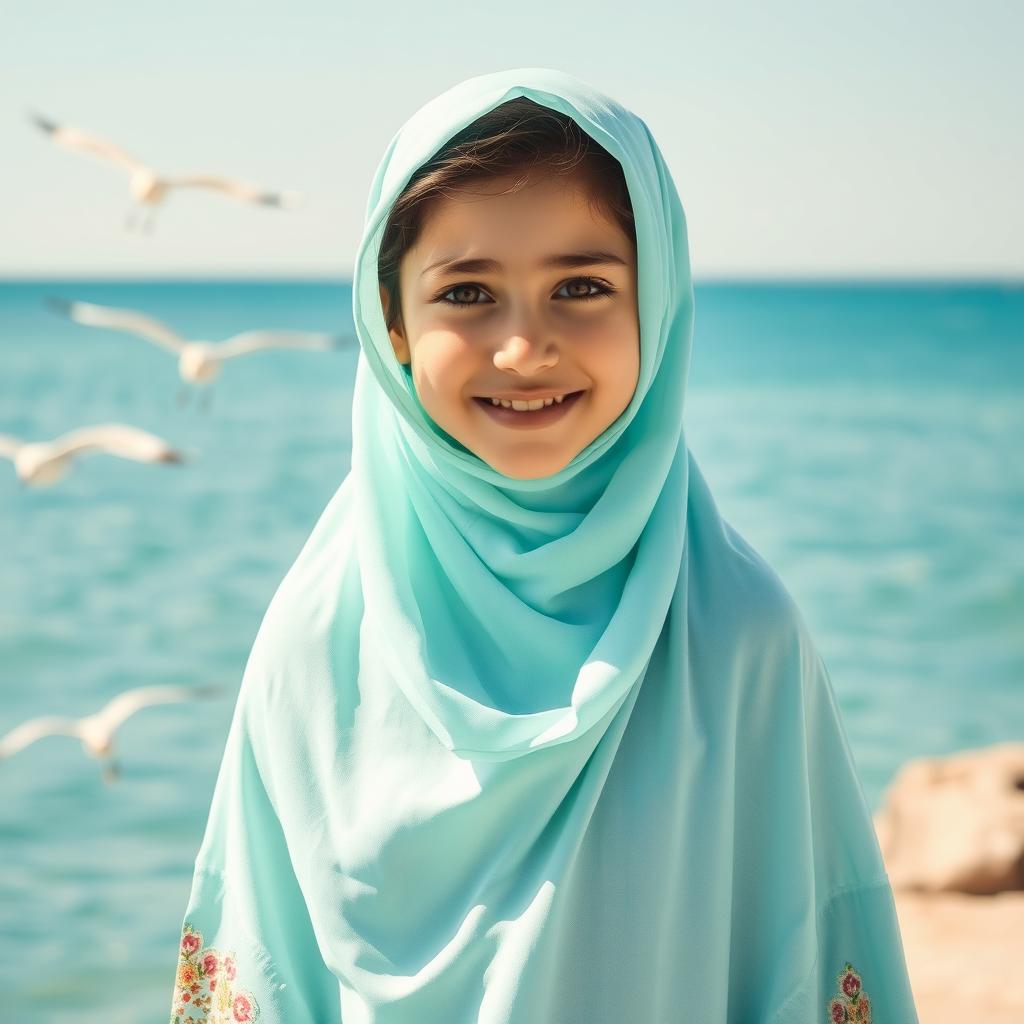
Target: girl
<point x="529" y="733"/>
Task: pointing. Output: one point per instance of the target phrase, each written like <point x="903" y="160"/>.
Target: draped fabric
<point x="536" y="751"/>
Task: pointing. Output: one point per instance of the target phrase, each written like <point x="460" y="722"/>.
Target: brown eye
<point x="583" y="286"/>
<point x="461" y="299"/>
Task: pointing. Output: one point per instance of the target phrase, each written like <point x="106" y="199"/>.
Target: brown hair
<point x="513" y="138"/>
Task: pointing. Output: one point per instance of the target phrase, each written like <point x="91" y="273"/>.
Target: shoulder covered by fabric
<point x="808" y="881"/>
<point x="740" y="615"/>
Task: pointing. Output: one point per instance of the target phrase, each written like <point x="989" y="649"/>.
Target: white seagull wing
<point x="124" y="705"/>
<point x="72" y="138"/>
<point x="130" y="320"/>
<point x="236" y="188"/>
<point x="255" y="341"/>
<point x="35" y="729"/>
<point x="120" y="439"/>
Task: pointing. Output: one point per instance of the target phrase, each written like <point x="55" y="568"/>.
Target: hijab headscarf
<point x="536" y="751"/>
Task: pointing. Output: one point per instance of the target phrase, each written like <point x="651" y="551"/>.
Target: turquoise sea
<point x="867" y="438"/>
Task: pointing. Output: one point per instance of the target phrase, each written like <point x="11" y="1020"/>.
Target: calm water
<point x="866" y="439"/>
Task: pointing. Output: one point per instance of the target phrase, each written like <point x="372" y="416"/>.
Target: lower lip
<point x="532" y="417"/>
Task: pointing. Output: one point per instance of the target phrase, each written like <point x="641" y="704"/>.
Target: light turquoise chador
<point x="549" y="751"/>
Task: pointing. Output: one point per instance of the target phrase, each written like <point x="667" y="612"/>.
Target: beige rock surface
<point x="965" y="956"/>
<point x="952" y="834"/>
<point x="956" y="824"/>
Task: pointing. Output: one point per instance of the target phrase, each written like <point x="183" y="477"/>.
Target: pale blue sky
<point x="806" y="139"/>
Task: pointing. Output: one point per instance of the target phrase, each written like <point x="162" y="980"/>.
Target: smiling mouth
<point x="526" y="413"/>
<point x="527" y="405"/>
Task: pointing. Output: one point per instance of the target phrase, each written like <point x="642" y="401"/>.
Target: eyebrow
<point x="568" y="260"/>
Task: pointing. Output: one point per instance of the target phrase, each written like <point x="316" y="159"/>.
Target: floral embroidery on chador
<point x="852" y="1005"/>
<point x="205" y="987"/>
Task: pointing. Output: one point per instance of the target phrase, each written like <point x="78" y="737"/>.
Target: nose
<point x="526" y="353"/>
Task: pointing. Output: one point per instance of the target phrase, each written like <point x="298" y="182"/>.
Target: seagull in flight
<point x="96" y="731"/>
<point x="41" y="463"/>
<point x="199" y="362"/>
<point x="148" y="188"/>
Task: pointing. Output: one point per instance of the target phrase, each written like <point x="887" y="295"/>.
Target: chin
<point x="529" y="470"/>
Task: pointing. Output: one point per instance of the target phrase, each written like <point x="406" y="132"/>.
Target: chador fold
<point x="529" y="733"/>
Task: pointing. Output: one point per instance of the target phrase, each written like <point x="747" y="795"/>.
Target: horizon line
<point x="1011" y="280"/>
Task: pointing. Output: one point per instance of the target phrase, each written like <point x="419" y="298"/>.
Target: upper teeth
<point x="524" y="406"/>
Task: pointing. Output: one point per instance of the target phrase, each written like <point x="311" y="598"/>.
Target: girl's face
<point x="525" y="297"/>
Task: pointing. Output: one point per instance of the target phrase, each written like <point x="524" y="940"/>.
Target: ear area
<point x="399" y="342"/>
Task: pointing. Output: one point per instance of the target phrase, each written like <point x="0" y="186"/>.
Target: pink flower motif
<point x="200" y="976"/>
<point x="852" y="1005"/>
<point x="241" y="1009"/>
<point x="864" y="1005"/>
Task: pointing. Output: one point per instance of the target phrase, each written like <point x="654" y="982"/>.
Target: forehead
<point x="492" y="216"/>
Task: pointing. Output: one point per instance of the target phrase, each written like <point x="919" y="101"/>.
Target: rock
<point x="956" y="824"/>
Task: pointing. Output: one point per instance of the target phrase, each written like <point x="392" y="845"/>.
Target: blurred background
<point x="851" y="177"/>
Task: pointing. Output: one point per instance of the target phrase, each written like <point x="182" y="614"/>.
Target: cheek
<point x="614" y="357"/>
<point x="441" y="362"/>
